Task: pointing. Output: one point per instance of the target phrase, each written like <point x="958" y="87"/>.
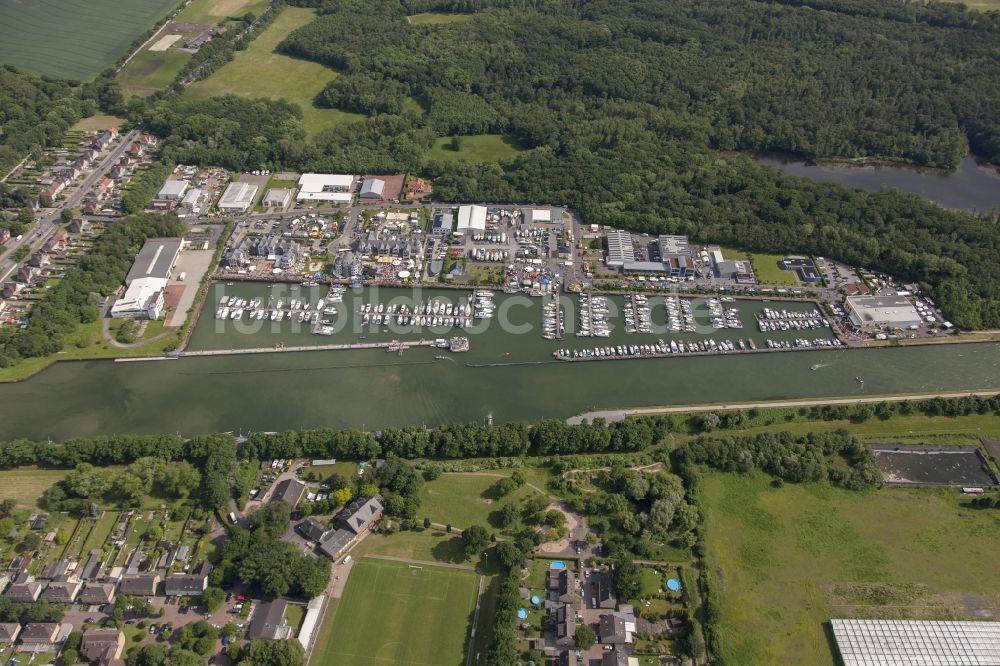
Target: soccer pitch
<point x="393" y="614"/>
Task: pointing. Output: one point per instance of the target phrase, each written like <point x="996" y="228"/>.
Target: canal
<point x="971" y="186"/>
<point x="508" y="375"/>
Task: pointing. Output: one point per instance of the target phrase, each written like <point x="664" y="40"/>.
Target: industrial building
<point x="804" y="268"/>
<point x="192" y="198"/>
<point x="916" y="642"/>
<point x="372" y="189"/>
<point x="620" y="248"/>
<point x="332" y="188"/>
<point x="538" y="215"/>
<point x="442" y="223"/>
<point x="278" y="197"/>
<point x="675" y="253"/>
<point x="890" y="311"/>
<point x="146" y="280"/>
<point x="471" y="219"/>
<point x="238" y="197"/>
<point x="172" y="190"/>
<point x="737" y="270"/>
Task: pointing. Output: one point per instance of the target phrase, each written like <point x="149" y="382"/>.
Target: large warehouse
<point x="172" y="190"/>
<point x="471" y="219"/>
<point x="891" y="311"/>
<point x="620" y="248"/>
<point x="146" y="280"/>
<point x="373" y="188"/>
<point x="334" y="188"/>
<point x="238" y="197"/>
<point x="917" y="642"/>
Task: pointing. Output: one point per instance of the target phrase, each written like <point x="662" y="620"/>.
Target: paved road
<point x="620" y="414"/>
<point x="42" y="230"/>
<point x="475" y="622"/>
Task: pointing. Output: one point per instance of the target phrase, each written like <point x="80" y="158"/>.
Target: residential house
<point x="9" y="632"/>
<point x="39" y="260"/>
<point x="269" y="622"/>
<point x="562" y="585"/>
<point x="92" y="569"/>
<point x="25" y="592"/>
<point x="140" y="585"/>
<point x="187" y="585"/>
<point x="565" y="624"/>
<point x="62" y="592"/>
<point x="102" y="646"/>
<point x="289" y="490"/>
<point x="12" y="289"/>
<point x="313" y="530"/>
<point x="602" y="590"/>
<point x="40" y="637"/>
<point x="617" y="628"/>
<point x="98" y="594"/>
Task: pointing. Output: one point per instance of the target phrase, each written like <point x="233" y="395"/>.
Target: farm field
<point x="387" y="611"/>
<point x="481" y="148"/>
<point x="261" y="72"/>
<point x="464" y="499"/>
<point x="73" y="40"/>
<point x="152" y="71"/>
<point x="26" y="485"/>
<point x="787" y="560"/>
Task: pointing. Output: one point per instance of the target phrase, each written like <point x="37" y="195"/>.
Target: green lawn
<point x="97" y="123"/>
<point x="73" y="40"/>
<point x="481" y="148"/>
<point x="261" y="72"/>
<point x="430" y="18"/>
<point x="765" y="266"/>
<point x="391" y="614"/>
<point x="463" y="499"/>
<point x="26" y="484"/>
<point x="790" y="559"/>
<point x="152" y="71"/>
<point x="99" y="534"/>
<point x="212" y="12"/>
<point x="426" y="545"/>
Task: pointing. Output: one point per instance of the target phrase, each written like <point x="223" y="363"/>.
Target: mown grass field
<point x="261" y="72"/>
<point x="765" y="266"/>
<point x="464" y="499"/>
<point x="430" y="18"/>
<point x="26" y="484"/>
<point x="152" y="71"/>
<point x="73" y="40"/>
<point x="481" y="148"/>
<point x="391" y="615"/>
<point x="97" y="123"/>
<point x="211" y="12"/>
<point x="789" y="559"/>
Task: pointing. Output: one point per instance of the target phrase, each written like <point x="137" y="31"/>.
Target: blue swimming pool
<point x="558" y="565"/>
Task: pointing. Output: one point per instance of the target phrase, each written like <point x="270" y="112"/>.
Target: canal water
<point x="969" y="187"/>
<point x="510" y="376"/>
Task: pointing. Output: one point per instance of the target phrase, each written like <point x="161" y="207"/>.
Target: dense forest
<point x="35" y="112"/>
<point x="625" y="112"/>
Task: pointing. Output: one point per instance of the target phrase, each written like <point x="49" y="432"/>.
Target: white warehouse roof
<point x="238" y="196"/>
<point x="172" y="189"/>
<point x="471" y="218"/>
<point x="318" y="182"/>
<point x="917" y="642"/>
<point x="140" y="298"/>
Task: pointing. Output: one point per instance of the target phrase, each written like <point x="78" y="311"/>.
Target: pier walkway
<point x="393" y="346"/>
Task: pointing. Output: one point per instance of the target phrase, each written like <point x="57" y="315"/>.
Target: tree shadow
<point x="449" y="550"/>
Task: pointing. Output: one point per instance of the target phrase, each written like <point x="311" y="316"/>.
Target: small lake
<point x="969" y="187"/>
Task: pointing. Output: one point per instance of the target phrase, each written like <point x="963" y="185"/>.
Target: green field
<point x="464" y="499"/>
<point x="73" y="40"/>
<point x="100" y="532"/>
<point x="392" y="615"/>
<point x="152" y="71"/>
<point x="212" y="12"/>
<point x="261" y="72"/>
<point x="481" y="148"/>
<point x="97" y="123"/>
<point x="431" y="18"/>
<point x="26" y="485"/>
<point x="765" y="266"/>
<point x="789" y="559"/>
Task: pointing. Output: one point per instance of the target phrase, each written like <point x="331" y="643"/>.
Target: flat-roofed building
<point x="334" y="188"/>
<point x="538" y="215"/>
<point x="156" y="259"/>
<point x="192" y="198"/>
<point x="471" y="219"/>
<point x="917" y="642"/>
<point x="278" y="197"/>
<point x="238" y="197"/>
<point x="891" y="311"/>
<point x="143" y="299"/>
<point x="172" y="190"/>
<point x="621" y="251"/>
